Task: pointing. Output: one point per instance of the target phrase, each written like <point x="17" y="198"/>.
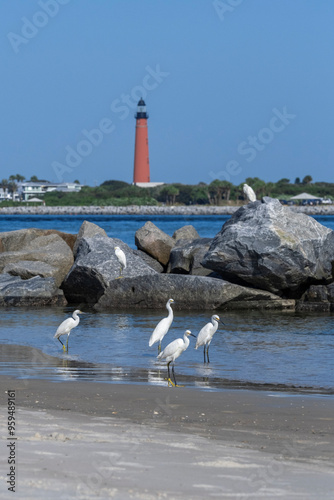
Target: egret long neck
<point x="186" y="341"/>
<point x="170" y="311"/>
<point x="76" y="317"/>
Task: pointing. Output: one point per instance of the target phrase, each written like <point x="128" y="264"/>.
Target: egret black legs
<point x="207" y="353"/>
<point x="64" y="348"/>
<point x="169" y="380"/>
<point x="174" y="375"/>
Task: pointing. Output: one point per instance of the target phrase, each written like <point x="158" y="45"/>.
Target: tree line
<point x="217" y="192"/>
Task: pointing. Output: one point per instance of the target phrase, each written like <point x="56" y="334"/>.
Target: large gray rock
<point x="318" y="298"/>
<point x="155" y="242"/>
<point x="186" y="257"/>
<point x="13" y="241"/>
<point x="268" y="246"/>
<point x="96" y="267"/>
<point x="189" y="292"/>
<point x="150" y="261"/>
<point x="36" y="291"/>
<point x="28" y="269"/>
<point x="88" y="230"/>
<point x="50" y="249"/>
<point x="186" y="233"/>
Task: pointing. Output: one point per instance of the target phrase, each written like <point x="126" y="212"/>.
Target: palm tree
<point x="4" y="185"/>
<point x="307" y="179"/>
<point x="171" y="192"/>
<point x="12" y="188"/>
<point x="219" y="189"/>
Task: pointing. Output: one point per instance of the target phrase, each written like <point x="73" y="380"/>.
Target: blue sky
<point x="234" y="88"/>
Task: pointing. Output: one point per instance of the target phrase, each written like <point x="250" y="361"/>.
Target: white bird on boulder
<point x="173" y="351"/>
<point x="121" y="259"/>
<point x="249" y="193"/>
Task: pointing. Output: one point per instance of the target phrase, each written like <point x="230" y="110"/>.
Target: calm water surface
<point x="285" y="349"/>
<point x="116" y="226"/>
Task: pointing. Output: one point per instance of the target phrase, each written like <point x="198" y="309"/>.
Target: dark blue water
<point x="116" y="226"/>
<point x="252" y="348"/>
<point x="125" y="226"/>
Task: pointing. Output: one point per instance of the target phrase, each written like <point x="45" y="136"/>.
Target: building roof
<point x="305" y="196"/>
<point x="35" y="200"/>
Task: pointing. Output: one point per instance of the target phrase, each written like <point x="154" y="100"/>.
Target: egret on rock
<point x="162" y="327"/>
<point x="205" y="335"/>
<point x="121" y="259"/>
<point x="249" y="193"/>
<point x="172" y="351"/>
<point x="66" y="326"/>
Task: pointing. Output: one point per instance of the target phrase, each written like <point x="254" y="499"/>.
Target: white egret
<point x="121" y="259"/>
<point x="205" y="335"/>
<point x="249" y="193"/>
<point x="162" y="327"/>
<point x="173" y="351"/>
<point x="66" y="326"/>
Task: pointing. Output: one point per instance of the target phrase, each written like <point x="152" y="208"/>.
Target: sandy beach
<point x="84" y="440"/>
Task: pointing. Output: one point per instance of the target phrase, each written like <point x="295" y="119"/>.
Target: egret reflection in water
<point x="256" y="347"/>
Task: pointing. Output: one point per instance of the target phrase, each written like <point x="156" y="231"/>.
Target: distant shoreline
<point x="149" y="210"/>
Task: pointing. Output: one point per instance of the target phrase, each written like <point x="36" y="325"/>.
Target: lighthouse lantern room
<point x="141" y="172"/>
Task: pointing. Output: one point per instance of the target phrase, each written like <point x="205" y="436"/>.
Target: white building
<point x="30" y="189"/>
<point x="4" y="195"/>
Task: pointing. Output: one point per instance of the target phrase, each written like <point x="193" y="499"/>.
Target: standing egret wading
<point x="173" y="351"/>
<point x="121" y="259"/>
<point x="249" y="193"/>
<point x="205" y="335"/>
<point x="66" y="326"/>
<point x="162" y="327"/>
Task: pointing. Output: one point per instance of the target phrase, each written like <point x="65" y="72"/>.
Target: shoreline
<point x="231" y="416"/>
<point x="25" y="361"/>
<point x="82" y="439"/>
<point x="149" y="210"/>
<point x="87" y="440"/>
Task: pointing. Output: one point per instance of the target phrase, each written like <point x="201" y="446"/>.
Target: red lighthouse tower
<point x="141" y="171"/>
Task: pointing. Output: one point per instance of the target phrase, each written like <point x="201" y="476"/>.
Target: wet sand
<point x="84" y="440"/>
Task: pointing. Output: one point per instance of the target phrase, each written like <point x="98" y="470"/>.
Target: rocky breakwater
<point x="125" y="210"/>
<point x="180" y="276"/>
<point x="150" y="210"/>
<point x="265" y="257"/>
<point x="33" y="265"/>
<point x="267" y="246"/>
